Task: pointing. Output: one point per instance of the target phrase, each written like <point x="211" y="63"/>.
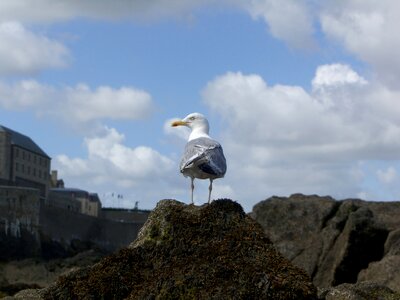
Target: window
<point x="23" y="154"/>
<point x="34" y="159"/>
<point x="22" y="168"/>
<point x="17" y="167"/>
<point x="34" y="171"/>
<point x="16" y="152"/>
<point x="29" y="170"/>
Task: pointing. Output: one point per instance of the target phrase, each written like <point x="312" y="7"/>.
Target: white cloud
<point x="25" y="94"/>
<point x="111" y="165"/>
<point x="79" y="105"/>
<point x="22" y="51"/>
<point x="85" y="104"/>
<point x="367" y="29"/>
<point x="289" y="20"/>
<point x="336" y="75"/>
<point x="387" y="176"/>
<point x="282" y="139"/>
<point x="53" y="11"/>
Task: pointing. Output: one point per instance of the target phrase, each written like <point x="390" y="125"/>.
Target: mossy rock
<point x="188" y="252"/>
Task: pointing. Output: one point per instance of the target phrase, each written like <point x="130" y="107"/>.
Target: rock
<point x="360" y="242"/>
<point x="187" y="252"/>
<point x="28" y="294"/>
<point x="335" y="241"/>
<point x="385" y="272"/>
<point x="38" y="273"/>
<point x="392" y="245"/>
<point x="358" y="291"/>
<point x="294" y="225"/>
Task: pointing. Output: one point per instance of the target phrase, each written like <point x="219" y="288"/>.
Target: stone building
<point x="125" y="215"/>
<point x="71" y="198"/>
<point x="22" y="162"/>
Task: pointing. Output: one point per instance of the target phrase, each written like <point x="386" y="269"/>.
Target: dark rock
<point x="358" y="291"/>
<point x="385" y="272"/>
<point x="38" y="273"/>
<point x="392" y="245"/>
<point x="186" y="252"/>
<point x="335" y="241"/>
<point x="28" y="294"/>
<point x="12" y="289"/>
<point x="294" y="225"/>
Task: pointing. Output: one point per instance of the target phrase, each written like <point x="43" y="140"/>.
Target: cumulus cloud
<point x="282" y="139"/>
<point x="22" y="51"/>
<point x="86" y="105"/>
<point x="112" y="165"/>
<point x="79" y="105"/>
<point x="290" y="21"/>
<point x="25" y="94"/>
<point x="336" y="75"/>
<point x="367" y="29"/>
<point x="51" y="11"/>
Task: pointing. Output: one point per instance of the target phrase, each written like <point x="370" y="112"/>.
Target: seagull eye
<point x="192" y="118"/>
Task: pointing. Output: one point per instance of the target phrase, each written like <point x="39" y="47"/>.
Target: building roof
<point x="23" y="141"/>
<point x="70" y="191"/>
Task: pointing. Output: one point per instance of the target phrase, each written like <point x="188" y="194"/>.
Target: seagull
<point x="203" y="157"/>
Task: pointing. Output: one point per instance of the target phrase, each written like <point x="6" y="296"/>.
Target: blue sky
<point x="303" y="95"/>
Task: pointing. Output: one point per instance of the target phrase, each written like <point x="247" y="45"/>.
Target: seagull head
<point x="196" y="122"/>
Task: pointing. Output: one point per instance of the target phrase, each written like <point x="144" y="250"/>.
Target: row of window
<point x="27" y="170"/>
<point x="26" y="155"/>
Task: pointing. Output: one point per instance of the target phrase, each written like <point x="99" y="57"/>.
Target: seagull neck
<point x="198" y="133"/>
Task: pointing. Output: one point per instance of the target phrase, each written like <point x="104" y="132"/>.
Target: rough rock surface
<point x="186" y="252"/>
<point x="336" y="242"/>
<point x="38" y="273"/>
<point x="358" y="291"/>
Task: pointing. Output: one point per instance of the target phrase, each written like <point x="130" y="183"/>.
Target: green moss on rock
<point x="187" y="252"/>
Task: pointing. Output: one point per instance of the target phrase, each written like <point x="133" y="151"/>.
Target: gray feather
<point x="203" y="158"/>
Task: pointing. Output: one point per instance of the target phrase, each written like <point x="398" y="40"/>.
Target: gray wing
<point x="205" y="154"/>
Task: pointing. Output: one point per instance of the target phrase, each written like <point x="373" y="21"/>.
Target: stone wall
<point x="30" y="228"/>
<point x="125" y="215"/>
<point x="5" y="145"/>
<point x="70" y="230"/>
<point x="19" y="222"/>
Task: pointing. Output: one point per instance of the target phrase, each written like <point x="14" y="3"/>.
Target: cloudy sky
<point x="303" y="95"/>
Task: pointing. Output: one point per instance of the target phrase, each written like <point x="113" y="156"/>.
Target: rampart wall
<point x="71" y="229"/>
<point x="30" y="228"/>
<point x="19" y="222"/>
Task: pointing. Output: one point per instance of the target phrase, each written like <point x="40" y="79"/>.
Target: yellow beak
<point x="178" y="123"/>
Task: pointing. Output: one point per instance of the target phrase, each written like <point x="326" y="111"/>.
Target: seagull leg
<point x="192" y="187"/>
<point x="209" y="191"/>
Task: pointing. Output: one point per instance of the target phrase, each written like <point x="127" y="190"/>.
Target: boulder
<point x="358" y="291"/>
<point x="188" y="252"/>
<point x="336" y="242"/>
<point x="39" y="273"/>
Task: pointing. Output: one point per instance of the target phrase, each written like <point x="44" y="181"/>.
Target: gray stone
<point x="335" y="241"/>
<point x="359" y="291"/>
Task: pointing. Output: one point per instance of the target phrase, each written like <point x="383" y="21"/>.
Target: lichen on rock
<point x="191" y="252"/>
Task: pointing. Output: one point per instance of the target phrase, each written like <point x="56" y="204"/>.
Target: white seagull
<point x="203" y="156"/>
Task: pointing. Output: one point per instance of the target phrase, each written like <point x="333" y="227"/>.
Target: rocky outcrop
<point x="336" y="242"/>
<point x="186" y="252"/>
<point x="33" y="273"/>
<point x="359" y="291"/>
